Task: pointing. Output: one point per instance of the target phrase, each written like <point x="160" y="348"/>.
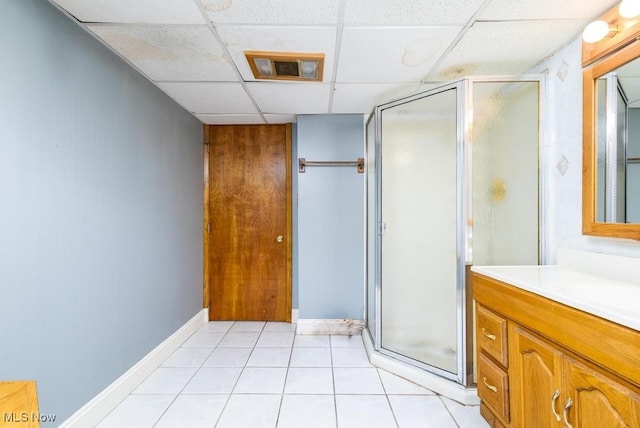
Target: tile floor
<point x="256" y="374"/>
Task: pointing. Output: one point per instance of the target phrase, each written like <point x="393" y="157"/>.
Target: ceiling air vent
<point x="304" y="67"/>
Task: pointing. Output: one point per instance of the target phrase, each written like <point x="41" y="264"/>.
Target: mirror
<point x="618" y="145"/>
<point x="611" y="147"/>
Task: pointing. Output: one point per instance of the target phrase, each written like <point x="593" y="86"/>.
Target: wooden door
<point x="249" y="212"/>
<point x="535" y="371"/>
<point x="598" y="400"/>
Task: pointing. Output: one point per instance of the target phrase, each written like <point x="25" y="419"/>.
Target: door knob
<point x="279" y="238"/>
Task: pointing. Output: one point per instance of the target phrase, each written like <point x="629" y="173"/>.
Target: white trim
<point x="97" y="408"/>
<point x="454" y="391"/>
<point x="294" y="316"/>
<point x="329" y="326"/>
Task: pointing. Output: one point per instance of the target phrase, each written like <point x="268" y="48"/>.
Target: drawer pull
<point x="491" y="387"/>
<point x="565" y="413"/>
<point x="488" y="335"/>
<point x="554" y="399"/>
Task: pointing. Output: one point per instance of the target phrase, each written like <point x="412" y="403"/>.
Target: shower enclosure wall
<point x="453" y="180"/>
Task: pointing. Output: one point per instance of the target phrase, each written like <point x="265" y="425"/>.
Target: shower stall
<point x="453" y="180"/>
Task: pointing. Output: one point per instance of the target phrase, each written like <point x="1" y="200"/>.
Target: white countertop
<point x="612" y="299"/>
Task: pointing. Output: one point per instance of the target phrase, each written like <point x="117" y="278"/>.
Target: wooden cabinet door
<point x="535" y="380"/>
<point x="19" y="404"/>
<point x="598" y="400"/>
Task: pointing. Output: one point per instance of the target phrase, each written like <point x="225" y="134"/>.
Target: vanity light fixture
<point x="629" y="8"/>
<point x="305" y="67"/>
<point x="611" y="31"/>
<point x="598" y="30"/>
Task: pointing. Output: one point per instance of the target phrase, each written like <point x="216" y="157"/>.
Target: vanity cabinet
<point x="599" y="400"/>
<point x="563" y="367"/>
<point x="493" y="377"/>
<point x="536" y="370"/>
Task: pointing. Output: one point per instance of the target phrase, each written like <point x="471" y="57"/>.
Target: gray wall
<point x="331" y="219"/>
<point x="100" y="222"/>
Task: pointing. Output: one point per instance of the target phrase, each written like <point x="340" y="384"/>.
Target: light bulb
<point x="309" y="69"/>
<point x="264" y="66"/>
<point x="629" y="8"/>
<point x="595" y="31"/>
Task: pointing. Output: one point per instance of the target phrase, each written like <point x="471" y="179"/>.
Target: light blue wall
<point x="331" y="219"/>
<point x="101" y="210"/>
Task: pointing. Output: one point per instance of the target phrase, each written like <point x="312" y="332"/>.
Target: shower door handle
<point x="383" y="227"/>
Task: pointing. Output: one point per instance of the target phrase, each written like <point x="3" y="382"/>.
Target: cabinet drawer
<point x="493" y="386"/>
<point x="491" y="334"/>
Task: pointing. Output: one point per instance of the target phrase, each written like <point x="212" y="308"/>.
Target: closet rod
<point x="303" y="163"/>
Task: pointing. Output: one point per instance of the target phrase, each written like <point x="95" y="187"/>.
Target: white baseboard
<point x="294" y="316"/>
<point x="437" y="384"/>
<point x="95" y="410"/>
<point x="329" y="326"/>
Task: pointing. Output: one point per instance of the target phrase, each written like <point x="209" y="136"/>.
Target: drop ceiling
<point x="375" y="50"/>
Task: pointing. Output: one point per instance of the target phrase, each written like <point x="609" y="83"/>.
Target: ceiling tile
<point x="134" y="12"/>
<point x="362" y="98"/>
<point x="497" y="47"/>
<point x="545" y="9"/>
<point x="391" y="54"/>
<point x="279" y="39"/>
<point x="169" y="53"/>
<point x="230" y="119"/>
<point x="276" y="12"/>
<point x="290" y="97"/>
<point x="205" y="97"/>
<point x="280" y="118"/>
<point x="409" y="12"/>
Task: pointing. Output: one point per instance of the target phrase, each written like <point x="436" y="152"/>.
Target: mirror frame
<point x="589" y="146"/>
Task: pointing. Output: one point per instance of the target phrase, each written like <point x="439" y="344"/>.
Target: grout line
<point x="192" y="376"/>
<point x="333" y="379"/>
<point x="386" y="395"/>
<point x="286" y="376"/>
<point x="184" y="386"/>
<point x="448" y="411"/>
<point x="229" y="395"/>
<point x="226" y="403"/>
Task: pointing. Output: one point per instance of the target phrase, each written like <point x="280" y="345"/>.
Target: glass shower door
<point x="421" y="177"/>
<point x="505" y="179"/>
<point x="372" y="230"/>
